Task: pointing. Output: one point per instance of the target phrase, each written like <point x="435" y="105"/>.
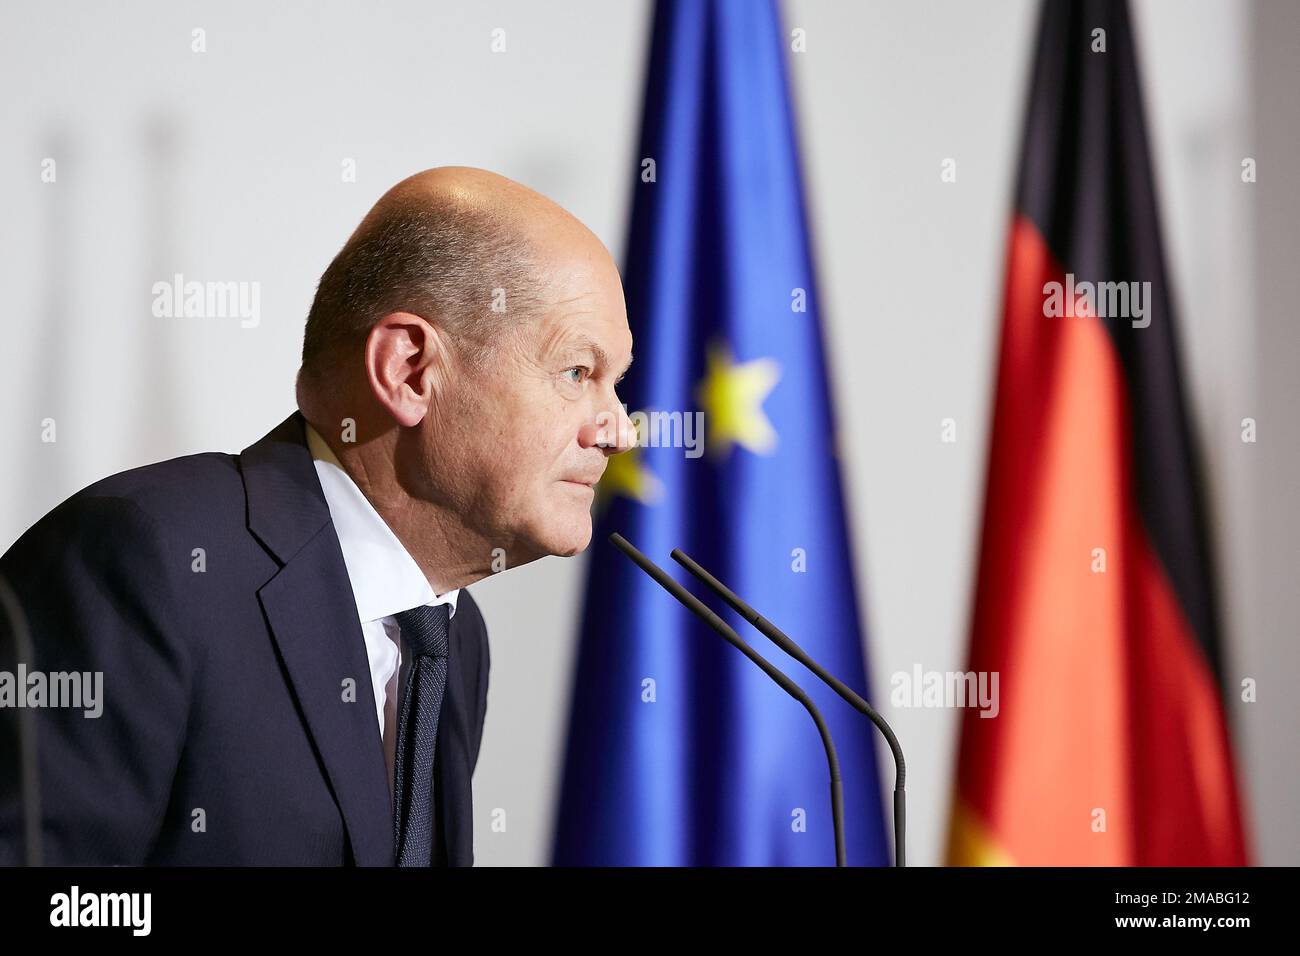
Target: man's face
<point x="533" y="432"/>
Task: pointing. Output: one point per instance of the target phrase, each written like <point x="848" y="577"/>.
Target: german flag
<point x="1094" y="600"/>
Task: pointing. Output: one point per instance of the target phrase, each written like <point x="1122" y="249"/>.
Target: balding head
<point x="458" y="246"/>
<point x="472" y="333"/>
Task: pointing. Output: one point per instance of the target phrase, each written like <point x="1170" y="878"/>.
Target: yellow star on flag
<point x="731" y="396"/>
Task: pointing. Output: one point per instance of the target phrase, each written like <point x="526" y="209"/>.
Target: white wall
<point x="226" y="165"/>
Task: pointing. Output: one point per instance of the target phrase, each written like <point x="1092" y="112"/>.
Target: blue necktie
<point x="424" y="629"/>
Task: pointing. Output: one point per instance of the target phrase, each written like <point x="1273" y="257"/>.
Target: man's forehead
<point x="607" y="340"/>
<point x="581" y="340"/>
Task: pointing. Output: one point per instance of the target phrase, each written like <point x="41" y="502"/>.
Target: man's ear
<point x="405" y="361"/>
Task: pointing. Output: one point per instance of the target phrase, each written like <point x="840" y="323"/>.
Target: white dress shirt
<point x="385" y="580"/>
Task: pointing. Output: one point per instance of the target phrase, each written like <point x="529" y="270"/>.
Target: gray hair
<point x="456" y="267"/>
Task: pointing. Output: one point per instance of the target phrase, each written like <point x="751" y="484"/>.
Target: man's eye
<point x="582" y="371"/>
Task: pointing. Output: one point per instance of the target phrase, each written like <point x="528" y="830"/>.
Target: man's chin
<point x="572" y="542"/>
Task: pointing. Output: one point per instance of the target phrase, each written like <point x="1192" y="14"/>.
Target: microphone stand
<point x="693" y="604"/>
<point x="779" y="638"/>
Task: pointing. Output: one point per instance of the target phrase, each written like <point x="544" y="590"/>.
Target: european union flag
<point x="680" y="751"/>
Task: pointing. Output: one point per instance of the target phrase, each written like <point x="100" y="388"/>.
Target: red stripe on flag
<point x="1110" y="747"/>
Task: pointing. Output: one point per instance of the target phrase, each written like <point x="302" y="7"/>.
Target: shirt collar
<point x="385" y="578"/>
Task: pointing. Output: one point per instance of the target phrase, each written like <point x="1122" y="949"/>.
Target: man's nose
<point x="614" y="430"/>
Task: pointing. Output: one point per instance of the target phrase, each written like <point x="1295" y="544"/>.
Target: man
<point x="292" y="671"/>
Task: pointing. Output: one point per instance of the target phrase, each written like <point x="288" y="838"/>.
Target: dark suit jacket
<point x="223" y="689"/>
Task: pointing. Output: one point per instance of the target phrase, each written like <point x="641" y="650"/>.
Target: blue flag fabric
<point x="681" y="751"/>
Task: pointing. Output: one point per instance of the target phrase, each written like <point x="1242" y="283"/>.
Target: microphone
<point x="786" y="684"/>
<point x="779" y="638"/>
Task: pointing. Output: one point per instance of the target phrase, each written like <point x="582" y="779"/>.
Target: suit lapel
<point x="314" y="622"/>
